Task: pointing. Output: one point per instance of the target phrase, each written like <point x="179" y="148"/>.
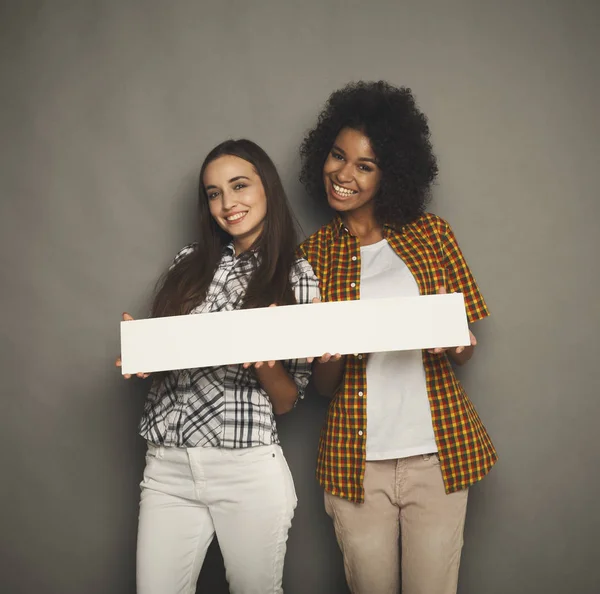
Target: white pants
<point x="246" y="496"/>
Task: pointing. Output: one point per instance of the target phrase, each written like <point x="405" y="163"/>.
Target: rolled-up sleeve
<point x="306" y="287"/>
<point x="460" y="278"/>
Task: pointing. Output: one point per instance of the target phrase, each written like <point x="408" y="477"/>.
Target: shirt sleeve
<point x="306" y="287"/>
<point x="459" y="278"/>
<point x="181" y="254"/>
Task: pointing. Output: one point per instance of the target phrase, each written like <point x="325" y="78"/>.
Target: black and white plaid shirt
<point x="222" y="406"/>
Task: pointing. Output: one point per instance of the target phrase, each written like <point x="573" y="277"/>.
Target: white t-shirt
<point x="398" y="415"/>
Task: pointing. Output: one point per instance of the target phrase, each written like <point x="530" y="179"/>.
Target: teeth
<point x="236" y="216"/>
<point x="343" y="191"/>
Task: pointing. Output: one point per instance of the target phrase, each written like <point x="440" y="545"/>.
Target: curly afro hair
<point x="400" y="139"/>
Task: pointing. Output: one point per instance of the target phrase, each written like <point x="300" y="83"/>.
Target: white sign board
<point x="293" y="332"/>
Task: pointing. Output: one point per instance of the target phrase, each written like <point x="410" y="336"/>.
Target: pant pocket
<point x="327" y="503"/>
<point x="432" y="459"/>
<point x="255" y="454"/>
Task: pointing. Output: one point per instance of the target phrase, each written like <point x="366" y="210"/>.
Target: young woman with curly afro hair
<point x="402" y="442"/>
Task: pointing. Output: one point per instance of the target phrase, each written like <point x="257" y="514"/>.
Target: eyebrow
<point x="233" y="179"/>
<point x="368" y="159"/>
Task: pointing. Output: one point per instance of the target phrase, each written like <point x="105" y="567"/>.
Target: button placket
<point x="360" y="395"/>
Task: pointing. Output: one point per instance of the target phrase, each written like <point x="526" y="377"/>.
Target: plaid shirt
<point x="429" y="249"/>
<point x="222" y="406"/>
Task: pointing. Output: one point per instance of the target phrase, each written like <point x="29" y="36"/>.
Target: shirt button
<point x="360" y="393"/>
<point x="360" y="356"/>
<point x="353" y="285"/>
<point x="360" y="432"/>
<point x="354" y="258"/>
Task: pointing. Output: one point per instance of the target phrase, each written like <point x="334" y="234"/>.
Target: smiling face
<point x="236" y="199"/>
<point x="351" y="174"/>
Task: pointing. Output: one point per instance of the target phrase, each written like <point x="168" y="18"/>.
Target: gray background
<point x="107" y="109"/>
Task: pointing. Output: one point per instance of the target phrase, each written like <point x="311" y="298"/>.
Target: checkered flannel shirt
<point x="429" y="249"/>
<point x="223" y="406"/>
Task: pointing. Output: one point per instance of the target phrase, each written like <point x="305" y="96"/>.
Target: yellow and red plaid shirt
<point x="429" y="249"/>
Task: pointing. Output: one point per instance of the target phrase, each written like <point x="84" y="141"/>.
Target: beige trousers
<point x="404" y="499"/>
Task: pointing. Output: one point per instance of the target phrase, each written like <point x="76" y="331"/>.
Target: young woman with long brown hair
<point x="214" y="464"/>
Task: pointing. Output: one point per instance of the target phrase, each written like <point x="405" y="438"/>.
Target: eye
<point x="337" y="156"/>
<point x="212" y="195"/>
<point x="239" y="186"/>
<point x="365" y="168"/>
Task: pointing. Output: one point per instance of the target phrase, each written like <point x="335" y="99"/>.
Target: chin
<point x="339" y="205"/>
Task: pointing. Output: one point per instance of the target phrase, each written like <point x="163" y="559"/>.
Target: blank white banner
<point x="293" y="332"/>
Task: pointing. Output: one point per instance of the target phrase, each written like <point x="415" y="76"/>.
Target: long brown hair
<point x="185" y="285"/>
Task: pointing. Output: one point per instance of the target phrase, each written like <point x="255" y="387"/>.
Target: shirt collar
<point x="229" y="249"/>
<point x="339" y="228"/>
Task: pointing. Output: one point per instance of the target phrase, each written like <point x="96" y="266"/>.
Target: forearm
<point x="279" y="386"/>
<point x="327" y="377"/>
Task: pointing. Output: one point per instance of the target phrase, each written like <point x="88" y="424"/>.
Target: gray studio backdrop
<point x="107" y="109"/>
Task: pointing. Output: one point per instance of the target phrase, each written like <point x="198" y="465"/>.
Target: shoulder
<point x="184" y="253"/>
<point x="431" y="222"/>
<point x="431" y="226"/>
<point x="313" y="244"/>
<point x="322" y="236"/>
<point x="188" y="249"/>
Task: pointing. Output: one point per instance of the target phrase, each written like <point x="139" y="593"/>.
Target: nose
<point x="228" y="200"/>
<point x="344" y="173"/>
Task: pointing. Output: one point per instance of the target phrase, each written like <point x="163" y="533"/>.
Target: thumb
<point x="441" y="290"/>
<point x="126" y="317"/>
<point x="473" y="339"/>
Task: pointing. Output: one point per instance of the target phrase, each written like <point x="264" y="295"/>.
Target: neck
<point x="241" y="245"/>
<point x="363" y="225"/>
